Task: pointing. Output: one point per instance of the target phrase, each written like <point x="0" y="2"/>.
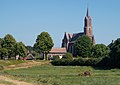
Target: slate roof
<point x="76" y="36"/>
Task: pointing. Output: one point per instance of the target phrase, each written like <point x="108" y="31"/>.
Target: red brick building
<point x="69" y="39"/>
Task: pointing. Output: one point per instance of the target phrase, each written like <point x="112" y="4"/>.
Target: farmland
<point x="64" y="75"/>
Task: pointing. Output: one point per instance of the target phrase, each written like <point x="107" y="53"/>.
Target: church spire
<point x="88" y="25"/>
<point x="87" y="14"/>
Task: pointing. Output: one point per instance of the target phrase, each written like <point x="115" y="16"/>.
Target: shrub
<point x="68" y="56"/>
<point x="56" y="57"/>
<point x="104" y="62"/>
<point x="77" y="62"/>
<point x="86" y="61"/>
<point x="56" y="62"/>
<point x="62" y="62"/>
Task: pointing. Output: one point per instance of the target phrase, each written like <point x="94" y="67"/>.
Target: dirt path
<point x="23" y="65"/>
<point x="16" y="82"/>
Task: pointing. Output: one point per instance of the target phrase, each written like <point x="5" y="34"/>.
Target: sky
<point x="25" y="19"/>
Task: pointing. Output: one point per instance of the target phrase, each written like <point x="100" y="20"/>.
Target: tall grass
<point x="66" y="75"/>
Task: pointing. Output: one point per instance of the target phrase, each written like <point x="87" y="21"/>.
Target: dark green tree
<point x="115" y="53"/>
<point x="44" y="43"/>
<point x="1" y="41"/>
<point x="83" y="46"/>
<point x="8" y="43"/>
<point x="100" y="50"/>
<point x="3" y="53"/>
<point x="30" y="48"/>
<point x="20" y="49"/>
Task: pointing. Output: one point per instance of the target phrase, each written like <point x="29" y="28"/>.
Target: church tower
<point x="88" y="26"/>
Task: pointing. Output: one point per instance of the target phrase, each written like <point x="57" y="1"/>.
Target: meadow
<point x="64" y="75"/>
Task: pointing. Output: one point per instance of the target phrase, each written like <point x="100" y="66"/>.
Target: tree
<point x="100" y="50"/>
<point x="8" y="43"/>
<point x="115" y="53"/>
<point x="44" y="43"/>
<point x="1" y="41"/>
<point x="20" y="49"/>
<point x="3" y="53"/>
<point x="30" y="48"/>
<point x="83" y="46"/>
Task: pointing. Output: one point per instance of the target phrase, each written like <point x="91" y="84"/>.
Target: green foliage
<point x="44" y="43"/>
<point x="1" y="42"/>
<point x="3" y="53"/>
<point x="30" y="48"/>
<point x="100" y="50"/>
<point x="20" y="49"/>
<point x="62" y="62"/>
<point x="104" y="63"/>
<point x="11" y="62"/>
<point x="86" y="61"/>
<point x="77" y="62"/>
<point x="83" y="46"/>
<point x="8" y="43"/>
<point x="115" y="53"/>
<point x="56" y="57"/>
<point x="68" y="56"/>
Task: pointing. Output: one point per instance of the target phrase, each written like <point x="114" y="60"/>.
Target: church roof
<point x="68" y="35"/>
<point x="76" y="36"/>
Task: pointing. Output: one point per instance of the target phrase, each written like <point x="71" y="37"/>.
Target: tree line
<point x="89" y="54"/>
<point x="10" y="48"/>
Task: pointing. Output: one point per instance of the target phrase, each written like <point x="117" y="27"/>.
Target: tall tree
<point x="83" y="46"/>
<point x="44" y="43"/>
<point x="100" y="50"/>
<point x="115" y="53"/>
<point x="20" y="49"/>
<point x="8" y="43"/>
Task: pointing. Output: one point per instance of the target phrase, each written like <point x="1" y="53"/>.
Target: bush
<point x="62" y="62"/>
<point x="77" y="62"/>
<point x="86" y="61"/>
<point x="105" y="62"/>
<point x="56" y="57"/>
<point x="68" y="56"/>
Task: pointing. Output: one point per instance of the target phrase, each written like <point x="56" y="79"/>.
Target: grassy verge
<point x="65" y="75"/>
<point x="11" y="62"/>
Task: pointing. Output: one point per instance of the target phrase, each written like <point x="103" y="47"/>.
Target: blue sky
<point x="25" y="19"/>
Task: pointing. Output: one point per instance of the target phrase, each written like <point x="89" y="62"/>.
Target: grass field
<point x="64" y="75"/>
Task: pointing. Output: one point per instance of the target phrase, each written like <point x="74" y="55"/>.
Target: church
<point x="69" y="39"/>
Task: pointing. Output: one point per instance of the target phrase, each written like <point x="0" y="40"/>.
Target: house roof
<point x="58" y="50"/>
